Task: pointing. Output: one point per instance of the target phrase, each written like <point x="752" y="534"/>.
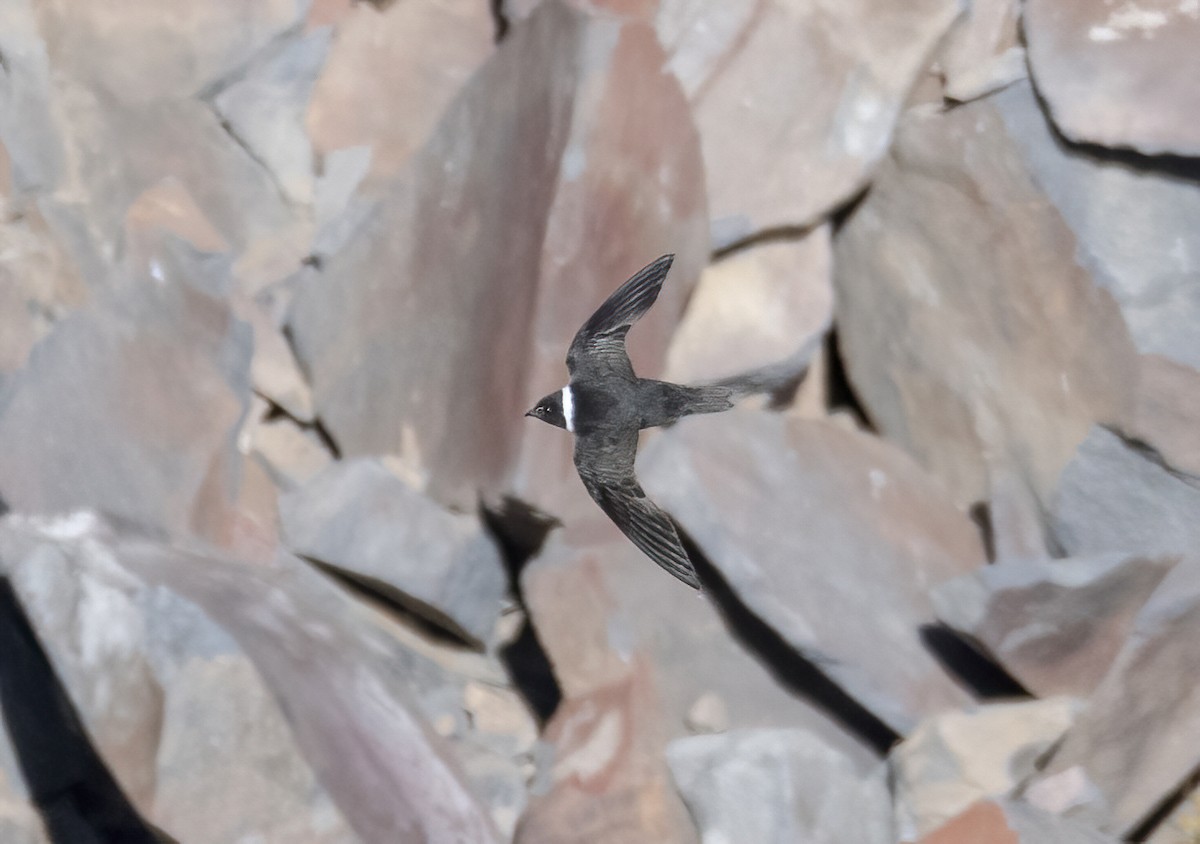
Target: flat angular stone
<point x="553" y="200"/>
<point x="1114" y="497"/>
<point x="1007" y="373"/>
<point x="362" y="519"/>
<point x="265" y="110"/>
<point x="290" y="454"/>
<point x="1136" y="743"/>
<point x="168" y="50"/>
<point x="603" y="610"/>
<point x="392" y="70"/>
<point x="982" y="51"/>
<point x="158" y="379"/>
<point x="638" y="656"/>
<point x="761" y="312"/>
<point x="793" y="114"/>
<point x="343" y="678"/>
<point x="131" y="658"/>
<point x="606" y="778"/>
<point x="811" y="525"/>
<point x="1054" y="625"/>
<point x="1167" y="412"/>
<point x="1118" y="74"/>
<point x="778" y="786"/>
<point x="1013" y="822"/>
<point x="954" y="759"/>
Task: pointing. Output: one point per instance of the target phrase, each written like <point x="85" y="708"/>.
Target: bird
<point x="605" y="405"/>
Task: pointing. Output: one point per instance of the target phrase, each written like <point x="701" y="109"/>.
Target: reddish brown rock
<point x="811" y="525"/>
<point x="154" y="381"/>
<point x="1136" y="742"/>
<point x="606" y="779"/>
<point x="392" y="70"/>
<point x="1054" y="625"/>
<point x="449" y="312"/>
<point x="1010" y="370"/>
<point x="1119" y="74"/>
<point x="1012" y="822"/>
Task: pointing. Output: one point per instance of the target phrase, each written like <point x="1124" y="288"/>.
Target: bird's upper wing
<point x="605" y="463"/>
<point x="599" y="347"/>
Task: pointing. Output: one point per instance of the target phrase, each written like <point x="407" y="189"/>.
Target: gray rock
<point x="561" y="195"/>
<point x="1054" y="625"/>
<point x="392" y="71"/>
<point x="1136" y="742"/>
<point x="364" y="520"/>
<point x="265" y="110"/>
<point x="637" y="655"/>
<point x="186" y="726"/>
<point x="982" y="52"/>
<point x="1118" y="75"/>
<point x="1113" y="497"/>
<point x="793" y="116"/>
<point x="760" y="314"/>
<point x="778" y="787"/>
<point x="153" y="380"/>
<point x="1167" y="412"/>
<point x="291" y="455"/>
<point x="955" y="759"/>
<point x="812" y="525"/>
<point x="603" y="775"/>
<point x="171" y="50"/>
<point x="1133" y="228"/>
<point x="1006" y="373"/>
<point x="341" y="674"/>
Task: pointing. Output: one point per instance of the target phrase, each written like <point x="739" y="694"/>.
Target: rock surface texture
<point x="281" y="559"/>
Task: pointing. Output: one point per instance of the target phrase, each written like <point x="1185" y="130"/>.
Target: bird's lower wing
<point x="607" y="472"/>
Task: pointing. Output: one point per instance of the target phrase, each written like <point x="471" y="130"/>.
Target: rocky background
<point x="279" y="278"/>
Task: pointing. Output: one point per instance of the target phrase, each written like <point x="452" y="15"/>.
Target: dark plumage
<point x="606" y="404"/>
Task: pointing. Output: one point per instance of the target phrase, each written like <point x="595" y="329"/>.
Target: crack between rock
<point x="501" y="21"/>
<point x="253" y="156"/>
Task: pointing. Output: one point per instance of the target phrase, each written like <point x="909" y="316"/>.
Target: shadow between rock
<point x="793" y="670"/>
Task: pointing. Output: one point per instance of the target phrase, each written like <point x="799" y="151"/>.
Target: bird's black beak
<point x="530" y="412"/>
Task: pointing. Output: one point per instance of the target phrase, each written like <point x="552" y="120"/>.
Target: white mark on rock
<point x="878" y="480"/>
<point x="1129" y="18"/>
<point x="596" y="753"/>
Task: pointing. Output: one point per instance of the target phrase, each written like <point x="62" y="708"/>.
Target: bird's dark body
<point x="606" y="404"/>
<point x="644" y="403"/>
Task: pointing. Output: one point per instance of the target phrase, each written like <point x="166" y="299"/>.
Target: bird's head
<point x="550" y="409"/>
